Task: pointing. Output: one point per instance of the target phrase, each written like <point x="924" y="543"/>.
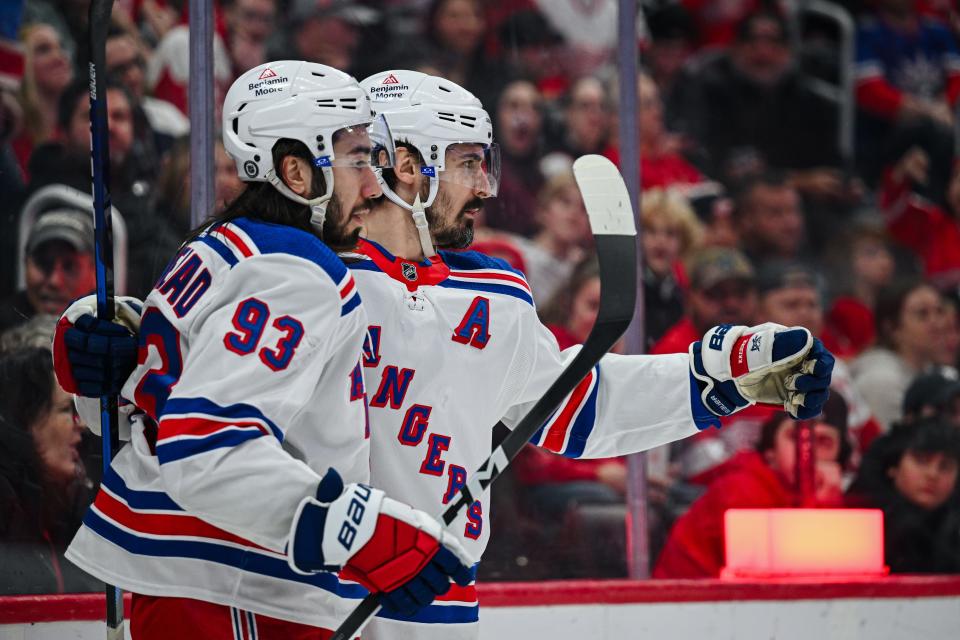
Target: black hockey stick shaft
<point x="618" y="291"/>
<point x="99" y="16"/>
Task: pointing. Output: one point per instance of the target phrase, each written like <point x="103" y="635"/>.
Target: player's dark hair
<point x="261" y="201"/>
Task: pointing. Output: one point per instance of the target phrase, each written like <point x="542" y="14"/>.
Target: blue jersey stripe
<point x="583" y="425"/>
<point x="277" y="238"/>
<point x="221" y="249"/>
<point x="239" y="411"/>
<point x="179" y="449"/>
<point x="246" y="559"/>
<point x="516" y="292"/>
<point x="437" y="614"/>
<point x="153" y="500"/>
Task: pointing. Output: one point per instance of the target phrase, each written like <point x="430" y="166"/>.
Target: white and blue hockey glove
<point x="388" y="547"/>
<point x="93" y="357"/>
<point x="735" y="366"/>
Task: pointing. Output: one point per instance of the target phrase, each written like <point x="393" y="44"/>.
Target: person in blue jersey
<point x="454" y="344"/>
<point x="239" y="506"/>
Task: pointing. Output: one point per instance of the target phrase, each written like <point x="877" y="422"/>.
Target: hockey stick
<point x="99" y="17"/>
<point x="612" y="223"/>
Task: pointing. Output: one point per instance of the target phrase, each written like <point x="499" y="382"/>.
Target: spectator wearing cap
<point x="933" y="394"/>
<point x="722" y="290"/>
<point x="58" y="267"/>
<point x="764" y="478"/>
<point x="791" y="294"/>
<point x="751" y="110"/>
<point x="909" y="318"/>
<point x="770" y="218"/>
<point x="911" y="474"/>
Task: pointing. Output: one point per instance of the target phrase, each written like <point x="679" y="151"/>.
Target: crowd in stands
<point x="752" y="210"/>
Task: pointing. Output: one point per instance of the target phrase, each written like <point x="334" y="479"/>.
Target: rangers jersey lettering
<point x="455" y="347"/>
<point x="249" y="365"/>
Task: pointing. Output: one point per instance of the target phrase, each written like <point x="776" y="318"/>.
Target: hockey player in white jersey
<point x="238" y="498"/>
<point x="454" y="343"/>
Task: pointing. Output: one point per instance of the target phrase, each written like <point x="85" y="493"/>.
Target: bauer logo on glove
<point x="767" y="364"/>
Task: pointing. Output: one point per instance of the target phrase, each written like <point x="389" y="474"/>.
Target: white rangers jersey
<point x="455" y="346"/>
<point x="249" y="364"/>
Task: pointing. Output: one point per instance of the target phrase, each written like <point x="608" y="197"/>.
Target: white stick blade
<point x="605" y="196"/>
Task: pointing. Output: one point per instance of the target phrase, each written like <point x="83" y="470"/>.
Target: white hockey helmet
<point x="432" y="114"/>
<point x="302" y="101"/>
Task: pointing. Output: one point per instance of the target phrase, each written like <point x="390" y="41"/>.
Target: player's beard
<point x="456" y="233"/>
<point x="336" y="233"/>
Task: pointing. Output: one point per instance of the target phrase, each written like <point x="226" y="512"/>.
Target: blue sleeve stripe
<point x="508" y="290"/>
<point x="584" y="422"/>
<point x="179" y="449"/>
<point x="350" y="304"/>
<point x="246" y="559"/>
<point x="135" y="499"/>
<point x="239" y="411"/>
<point x="276" y="238"/>
<point x="220" y="248"/>
<point x="537" y="438"/>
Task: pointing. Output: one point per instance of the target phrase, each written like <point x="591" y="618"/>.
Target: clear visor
<point x="362" y="145"/>
<point x="472" y="165"/>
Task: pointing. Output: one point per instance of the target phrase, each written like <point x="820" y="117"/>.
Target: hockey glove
<point x="736" y="366"/>
<point x="388" y="547"/>
<point x="93" y="357"/>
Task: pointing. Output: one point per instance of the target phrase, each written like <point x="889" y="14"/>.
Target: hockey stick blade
<point x="614" y="230"/>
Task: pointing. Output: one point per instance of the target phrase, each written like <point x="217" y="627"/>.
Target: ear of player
<point x="388" y="547"/>
<point x="736" y="366"/>
<point x="93" y="357"/>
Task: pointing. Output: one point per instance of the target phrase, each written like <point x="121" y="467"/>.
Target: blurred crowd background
<point x="783" y="180"/>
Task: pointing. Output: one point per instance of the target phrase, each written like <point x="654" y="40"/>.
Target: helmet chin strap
<point x="416" y="212"/>
<point x="318" y="205"/>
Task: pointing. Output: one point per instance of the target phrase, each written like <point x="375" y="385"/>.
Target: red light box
<point x="780" y="543"/>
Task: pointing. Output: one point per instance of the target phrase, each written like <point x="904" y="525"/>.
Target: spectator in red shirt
<point x="931" y="231"/>
<point x="587" y="121"/>
<point x="47" y="74"/>
<point x="764" y="478"/>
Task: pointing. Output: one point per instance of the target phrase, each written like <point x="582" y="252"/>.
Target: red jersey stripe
<point x="558" y="430"/>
